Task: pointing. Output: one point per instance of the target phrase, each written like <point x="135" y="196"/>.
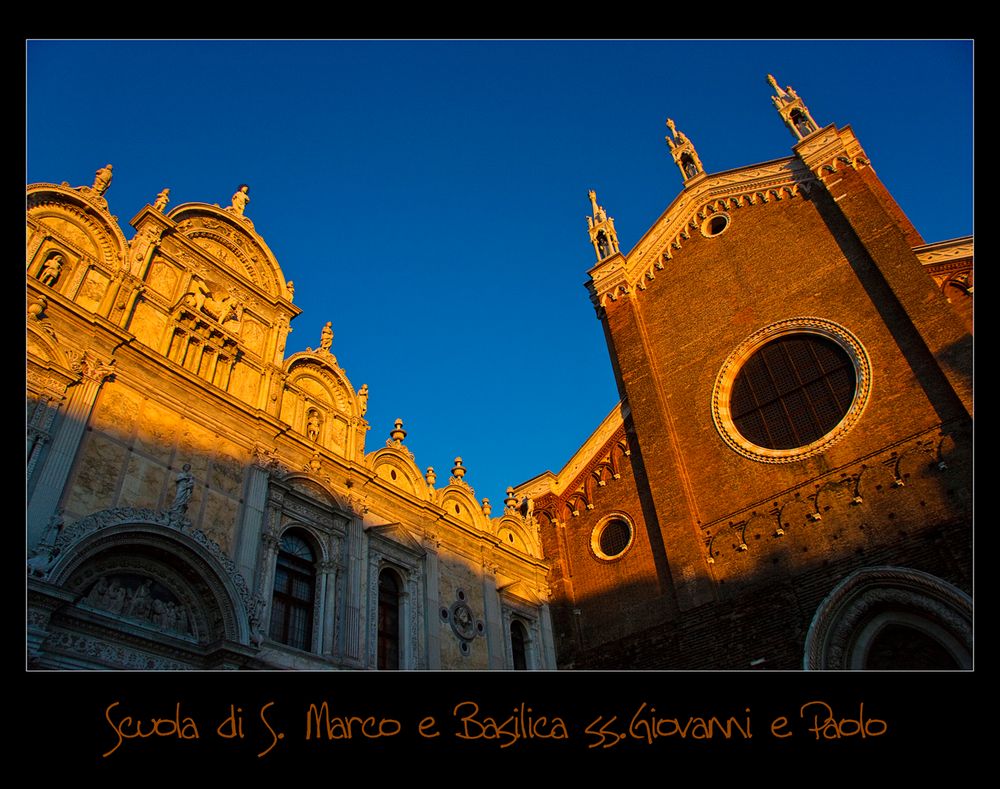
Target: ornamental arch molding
<point x="218" y="231"/>
<point x="73" y="221"/>
<point x="850" y="619"/>
<point x="147" y="543"/>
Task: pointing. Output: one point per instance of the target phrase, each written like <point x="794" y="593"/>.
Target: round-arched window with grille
<point x="791" y="390"/>
<point x="612" y="537"/>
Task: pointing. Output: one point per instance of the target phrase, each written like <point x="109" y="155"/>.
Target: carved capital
<point x="89" y="366"/>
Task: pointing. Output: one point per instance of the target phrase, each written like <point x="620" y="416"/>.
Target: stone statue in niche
<point x="326" y="337"/>
<point x="102" y="180"/>
<point x="161" y="200"/>
<point x="363" y="398"/>
<point x="312" y="425"/>
<point x="51" y="270"/>
<point x="185" y="488"/>
<point x="603" y="247"/>
<point x="802" y="124"/>
<point x="690" y="168"/>
<point x="240" y="200"/>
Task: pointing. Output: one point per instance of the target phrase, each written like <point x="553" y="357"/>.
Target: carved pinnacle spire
<point x="792" y="110"/>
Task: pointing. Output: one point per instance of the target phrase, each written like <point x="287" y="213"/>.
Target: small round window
<point x="612" y="538"/>
<point x="714" y="225"/>
<point x="791" y="390"/>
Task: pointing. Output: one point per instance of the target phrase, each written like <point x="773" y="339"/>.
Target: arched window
<point x="519" y="645"/>
<point x="388" y="620"/>
<point x="294" y="589"/>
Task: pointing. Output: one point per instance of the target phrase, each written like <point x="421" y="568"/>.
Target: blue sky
<point x="429" y="198"/>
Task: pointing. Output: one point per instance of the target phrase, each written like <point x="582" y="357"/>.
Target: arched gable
<point x="310" y="488"/>
<point x="399" y="470"/>
<point x="460" y="504"/>
<point x="512" y="533"/>
<point x="87" y="245"/>
<point x="232" y="241"/>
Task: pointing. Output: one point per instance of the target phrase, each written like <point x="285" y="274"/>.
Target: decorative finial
<point x="487" y="509"/>
<point x="397" y="433"/>
<point x="430" y="476"/>
<point x="510" y="503"/>
<point x="683" y="152"/>
<point x="458" y="470"/>
<point x="161" y="200"/>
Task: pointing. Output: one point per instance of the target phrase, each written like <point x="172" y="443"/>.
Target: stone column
<point x="547" y="653"/>
<point x="327" y="577"/>
<point x="268" y="563"/>
<point x="496" y="640"/>
<point x="65" y="443"/>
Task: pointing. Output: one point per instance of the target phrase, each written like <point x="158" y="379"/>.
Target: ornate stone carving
<point x="182" y="497"/>
<point x="161" y="200"/>
<point x="240" y="200"/>
<point x="90" y="366"/>
<point x="201" y="299"/>
<point x="116" y="516"/>
<point x="264" y="457"/>
<point x="326" y="337"/>
<point x="36" y="307"/>
<point x="52" y="269"/>
<point x="142" y="603"/>
<point x="363" y="399"/>
<point x="102" y="180"/>
<point x="113" y="654"/>
<point x="357" y="504"/>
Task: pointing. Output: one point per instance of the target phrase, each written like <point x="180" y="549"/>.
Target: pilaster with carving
<point x="432" y="632"/>
<point x="497" y="624"/>
<point x="354" y="605"/>
<point x="92" y="371"/>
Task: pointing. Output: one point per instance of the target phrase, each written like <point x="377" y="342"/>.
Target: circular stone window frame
<point x="829" y="330"/>
<point x="704" y="226"/>
<point x="595" y="537"/>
